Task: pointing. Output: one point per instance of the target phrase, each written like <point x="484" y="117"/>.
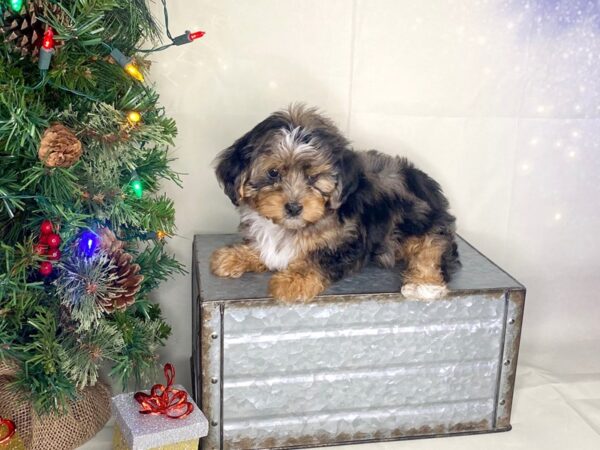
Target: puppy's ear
<point x="233" y="163"/>
<point x="349" y="174"/>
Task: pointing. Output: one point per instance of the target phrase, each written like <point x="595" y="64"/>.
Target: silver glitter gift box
<point x="135" y="431"/>
<point x="360" y="363"/>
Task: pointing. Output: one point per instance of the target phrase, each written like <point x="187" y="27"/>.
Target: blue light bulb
<point x="88" y="243"/>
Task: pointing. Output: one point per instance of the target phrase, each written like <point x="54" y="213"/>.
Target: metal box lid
<point x="476" y="275"/>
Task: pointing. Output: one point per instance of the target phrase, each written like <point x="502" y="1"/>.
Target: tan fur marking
<point x="325" y="184"/>
<point x="301" y="281"/>
<point x="423" y="256"/>
<point x="271" y="204"/>
<point x="313" y="207"/>
<point x="241" y="191"/>
<point x="234" y="260"/>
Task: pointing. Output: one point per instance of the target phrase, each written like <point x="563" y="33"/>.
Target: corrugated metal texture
<point x="359" y="369"/>
<point x="477" y="274"/>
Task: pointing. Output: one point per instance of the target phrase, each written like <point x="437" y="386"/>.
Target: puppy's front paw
<point x="226" y="262"/>
<point x="291" y="286"/>
<point x="424" y="291"/>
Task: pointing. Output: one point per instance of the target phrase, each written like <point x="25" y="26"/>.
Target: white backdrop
<point x="499" y="100"/>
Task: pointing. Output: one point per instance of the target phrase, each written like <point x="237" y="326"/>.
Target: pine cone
<point x="25" y="31"/>
<point x="128" y="279"/>
<point x="59" y="147"/>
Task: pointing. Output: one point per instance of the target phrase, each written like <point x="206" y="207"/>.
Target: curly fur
<point x="315" y="210"/>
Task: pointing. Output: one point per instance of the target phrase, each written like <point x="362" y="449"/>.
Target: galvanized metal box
<point x="360" y="363"/>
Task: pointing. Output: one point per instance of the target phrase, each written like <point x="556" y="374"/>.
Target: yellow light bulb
<point x="134" y="117"/>
<point x="133" y="71"/>
<point x="161" y="234"/>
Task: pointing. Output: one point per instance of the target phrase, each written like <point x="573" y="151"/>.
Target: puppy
<point x="313" y="210"/>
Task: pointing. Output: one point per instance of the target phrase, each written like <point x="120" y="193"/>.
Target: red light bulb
<point x="196" y="35"/>
<point x="48" y="41"/>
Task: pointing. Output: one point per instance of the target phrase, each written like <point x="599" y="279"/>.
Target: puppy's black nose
<point x="293" y="209"/>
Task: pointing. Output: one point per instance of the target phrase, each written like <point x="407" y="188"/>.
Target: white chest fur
<point x="277" y="246"/>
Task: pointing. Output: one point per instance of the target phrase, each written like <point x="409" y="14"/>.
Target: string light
<point x="182" y="39"/>
<point x="138" y="190"/>
<point x="47" y="49"/>
<point x="187" y="37"/>
<point x="88" y="243"/>
<point x="127" y="64"/>
<point x="134" y="117"/>
<point x="158" y="235"/>
<point x="48" y="41"/>
<point x="15" y="5"/>
<point x="196" y="35"/>
<point x="136" y="185"/>
<point x="134" y="71"/>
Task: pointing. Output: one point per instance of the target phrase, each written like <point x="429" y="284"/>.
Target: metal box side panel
<point x="510" y="354"/>
<point x="211" y="367"/>
<point x="360" y="368"/>
<point x="195" y="358"/>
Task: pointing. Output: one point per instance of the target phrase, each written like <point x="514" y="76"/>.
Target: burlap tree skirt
<point x="85" y="417"/>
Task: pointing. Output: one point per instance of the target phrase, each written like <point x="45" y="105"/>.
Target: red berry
<point x="54" y="254"/>
<point x="45" y="268"/>
<point x="46" y="227"/>
<point x="53" y="240"/>
<point x="44" y="239"/>
<point x="40" y="248"/>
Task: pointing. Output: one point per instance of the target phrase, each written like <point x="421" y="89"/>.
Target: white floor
<point x="557" y="406"/>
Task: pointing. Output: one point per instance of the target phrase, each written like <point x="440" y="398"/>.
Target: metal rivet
<point x="214" y="335"/>
<point x="214" y="423"/>
<point x="502" y="402"/>
<point x="511" y="322"/>
<point x="214" y="380"/>
<point x="507" y="362"/>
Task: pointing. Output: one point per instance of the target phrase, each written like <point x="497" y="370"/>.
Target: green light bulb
<point x="15" y="5"/>
<point x="136" y="186"/>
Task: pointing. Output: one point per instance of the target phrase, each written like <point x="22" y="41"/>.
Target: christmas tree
<point x="83" y="150"/>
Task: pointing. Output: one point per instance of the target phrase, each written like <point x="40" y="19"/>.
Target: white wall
<point x="499" y="100"/>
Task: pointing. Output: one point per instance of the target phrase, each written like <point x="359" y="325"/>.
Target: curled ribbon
<point x="166" y="400"/>
<point x="10" y="430"/>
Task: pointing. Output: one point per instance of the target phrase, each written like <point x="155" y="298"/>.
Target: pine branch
<point x="84" y="283"/>
<point x="42" y="380"/>
<point x="137" y="362"/>
<point x="157" y="267"/>
<point x="83" y="353"/>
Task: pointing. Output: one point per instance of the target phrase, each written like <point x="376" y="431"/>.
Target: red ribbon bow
<point x="10" y="430"/>
<point x="165" y="399"/>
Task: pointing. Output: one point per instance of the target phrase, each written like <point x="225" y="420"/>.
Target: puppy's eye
<point x="273" y="173"/>
<point x="311" y="179"/>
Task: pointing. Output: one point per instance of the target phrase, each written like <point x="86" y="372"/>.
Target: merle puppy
<point x="313" y="210"/>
